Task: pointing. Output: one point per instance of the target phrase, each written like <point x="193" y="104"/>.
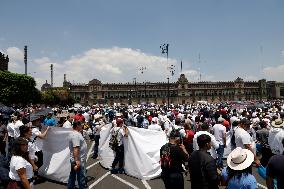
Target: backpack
<point x="113" y="142"/>
<point x="233" y="140"/>
<point x="165" y="158"/>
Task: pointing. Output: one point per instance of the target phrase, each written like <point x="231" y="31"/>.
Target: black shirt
<point x="203" y="171"/>
<point x="177" y="156"/>
<point x="3" y="131"/>
<point x="262" y="136"/>
<point x="275" y="169"/>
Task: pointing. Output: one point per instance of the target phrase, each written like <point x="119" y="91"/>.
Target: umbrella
<point x="42" y="112"/>
<point x="6" y="110"/>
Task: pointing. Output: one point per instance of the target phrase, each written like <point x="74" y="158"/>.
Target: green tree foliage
<point x="57" y="97"/>
<point x="18" y="89"/>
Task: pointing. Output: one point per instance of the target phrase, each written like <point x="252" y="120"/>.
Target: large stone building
<point x="4" y="60"/>
<point x="181" y="91"/>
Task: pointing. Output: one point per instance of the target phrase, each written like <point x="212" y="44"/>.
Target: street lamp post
<point x="168" y="92"/>
<point x="134" y="80"/>
<point x="145" y="92"/>
<point x="142" y="70"/>
<point x="165" y="50"/>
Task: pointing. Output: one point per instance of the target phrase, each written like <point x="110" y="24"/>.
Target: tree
<point x="18" y="89"/>
<point x="57" y="97"/>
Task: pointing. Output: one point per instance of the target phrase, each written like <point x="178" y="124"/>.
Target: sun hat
<point x="277" y="123"/>
<point x="97" y="116"/>
<point x="240" y="159"/>
<point x="221" y="119"/>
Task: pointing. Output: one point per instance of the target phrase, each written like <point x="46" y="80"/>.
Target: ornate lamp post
<point x="165" y="50"/>
<point x="142" y="70"/>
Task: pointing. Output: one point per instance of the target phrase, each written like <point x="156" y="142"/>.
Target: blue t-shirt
<point x="49" y="122"/>
<point x="245" y="182"/>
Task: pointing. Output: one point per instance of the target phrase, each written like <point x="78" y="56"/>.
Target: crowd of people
<point x="198" y="136"/>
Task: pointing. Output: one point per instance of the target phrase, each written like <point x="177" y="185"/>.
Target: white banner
<point x="56" y="155"/>
<point x="142" y="153"/>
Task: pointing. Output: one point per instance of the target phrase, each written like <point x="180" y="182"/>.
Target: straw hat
<point x="97" y="116"/>
<point x="240" y="159"/>
<point x="277" y="123"/>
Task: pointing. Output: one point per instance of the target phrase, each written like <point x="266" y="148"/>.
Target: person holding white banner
<point x="119" y="131"/>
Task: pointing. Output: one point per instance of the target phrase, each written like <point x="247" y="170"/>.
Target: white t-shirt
<point x="67" y="125"/>
<point x="233" y="119"/>
<point x="17" y="125"/>
<point x="155" y="127"/>
<point x="38" y="143"/>
<point x="98" y="128"/>
<point x="275" y="137"/>
<point x="219" y="131"/>
<point x="87" y="117"/>
<point x="242" y="137"/>
<point x="214" y="143"/>
<point x="31" y="149"/>
<point x="11" y="129"/>
<point x="16" y="163"/>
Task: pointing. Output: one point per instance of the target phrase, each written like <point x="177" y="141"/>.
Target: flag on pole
<point x="181" y="66"/>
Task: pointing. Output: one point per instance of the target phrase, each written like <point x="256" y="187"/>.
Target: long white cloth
<point x="56" y="155"/>
<point x="142" y="153"/>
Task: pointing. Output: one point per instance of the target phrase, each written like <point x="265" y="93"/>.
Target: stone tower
<point x="4" y="60"/>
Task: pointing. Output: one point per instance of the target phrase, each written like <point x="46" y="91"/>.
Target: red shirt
<point x="79" y="117"/>
<point x="189" y="137"/>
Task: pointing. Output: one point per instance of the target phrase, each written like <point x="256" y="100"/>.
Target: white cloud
<point x="116" y="65"/>
<point x="274" y="73"/>
<point x="194" y="76"/>
<point x="111" y="65"/>
<point x="16" y="59"/>
<point x="15" y="54"/>
<point x="250" y="78"/>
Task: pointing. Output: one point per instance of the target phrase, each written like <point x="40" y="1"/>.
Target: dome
<point x="95" y="82"/>
<point x="45" y="86"/>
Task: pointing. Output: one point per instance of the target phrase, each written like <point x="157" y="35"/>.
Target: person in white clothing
<point x="86" y="116"/>
<point x="11" y="128"/>
<point x="276" y="135"/>
<point x="97" y="130"/>
<point x="11" y="132"/>
<point x="26" y="133"/>
<point x="243" y="138"/>
<point x="214" y="143"/>
<point x="68" y="122"/>
<point x="122" y="131"/>
<point x="21" y="170"/>
<point x="37" y="139"/>
<point x="154" y="125"/>
<point x="17" y="125"/>
<point x="219" y="131"/>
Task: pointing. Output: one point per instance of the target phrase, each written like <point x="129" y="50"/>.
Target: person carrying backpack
<point x="119" y="131"/>
<point x="172" y="156"/>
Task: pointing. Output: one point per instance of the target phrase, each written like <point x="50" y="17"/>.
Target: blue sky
<point x="111" y="39"/>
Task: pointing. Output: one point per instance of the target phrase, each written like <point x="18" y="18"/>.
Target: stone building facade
<point x="180" y="92"/>
<point x="4" y="60"/>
